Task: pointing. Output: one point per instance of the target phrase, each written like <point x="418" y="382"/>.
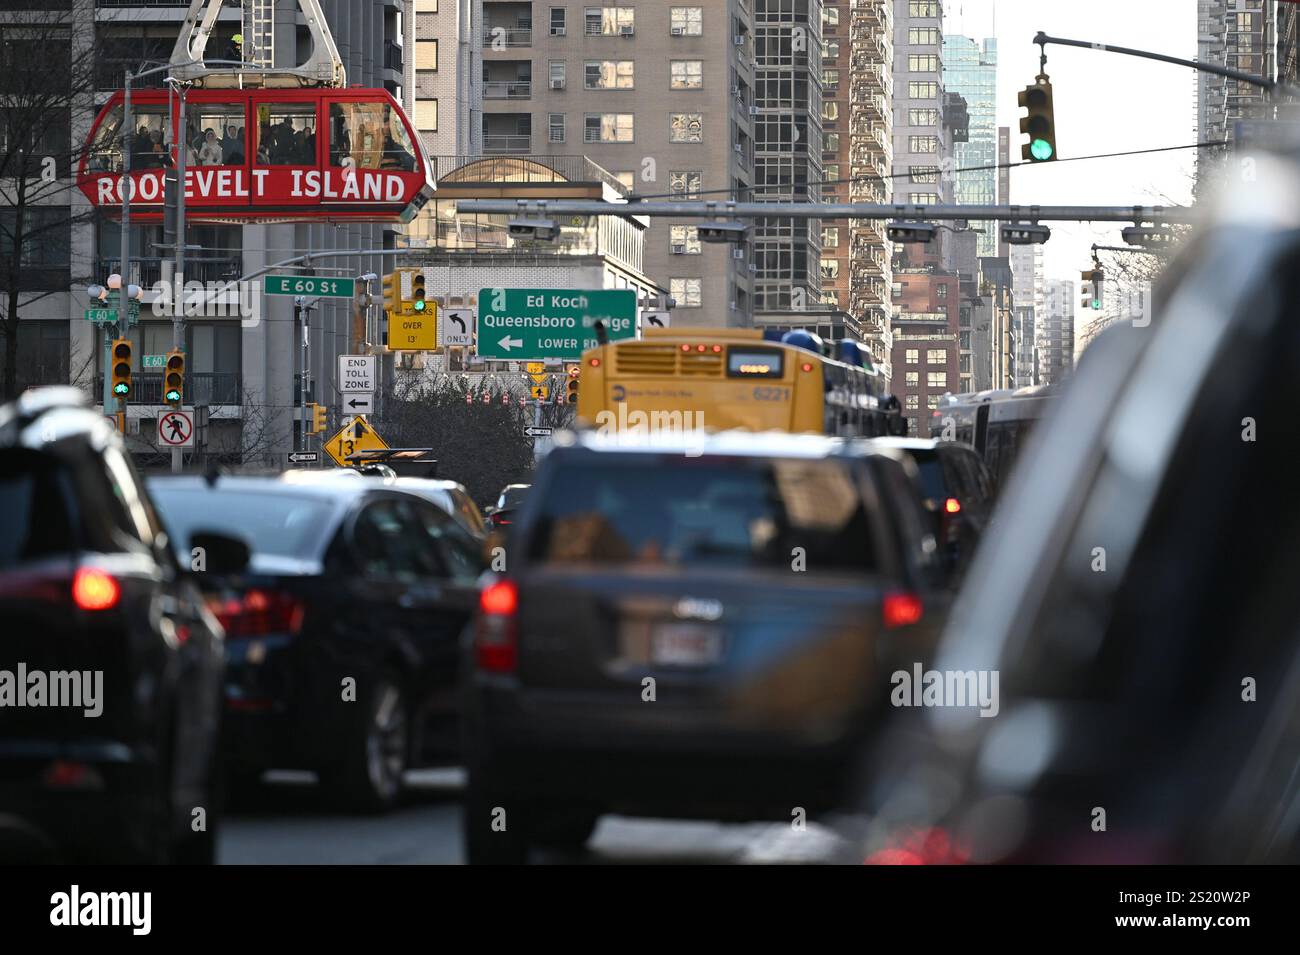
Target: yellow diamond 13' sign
<point x="354" y="437"/>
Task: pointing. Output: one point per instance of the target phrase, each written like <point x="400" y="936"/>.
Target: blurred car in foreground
<point x="342" y="636"/>
<point x="448" y="495"/>
<point x="1137" y="595"/>
<point x="956" y="492"/>
<point x="692" y="626"/>
<point x="109" y="762"/>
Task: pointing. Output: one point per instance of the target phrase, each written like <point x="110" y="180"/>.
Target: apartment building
<point x="971" y="70"/>
<point x="1056" y="333"/>
<point x="925" y="357"/>
<point x="245" y="378"/>
<point x="445" y="72"/>
<point x="1242" y="35"/>
<point x="660" y="95"/>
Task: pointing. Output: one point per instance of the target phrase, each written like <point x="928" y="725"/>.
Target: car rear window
<point x="934" y="484"/>
<point x="35" y="496"/>
<point x="715" y="512"/>
<point x="280" y="525"/>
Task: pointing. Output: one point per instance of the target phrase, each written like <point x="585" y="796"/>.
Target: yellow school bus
<point x="722" y="378"/>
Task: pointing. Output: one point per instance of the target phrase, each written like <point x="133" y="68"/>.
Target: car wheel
<point x="370" y="775"/>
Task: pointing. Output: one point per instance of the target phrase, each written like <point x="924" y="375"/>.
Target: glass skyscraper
<point x="971" y="69"/>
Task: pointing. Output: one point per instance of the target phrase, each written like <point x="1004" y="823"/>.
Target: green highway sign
<point x="310" y="285"/>
<point x="531" y="323"/>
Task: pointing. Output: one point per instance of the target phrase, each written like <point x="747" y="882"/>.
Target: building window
<point x="941" y="292"/>
<point x="830" y="16"/>
<point x="686" y="183"/>
<point x="923" y="63"/>
<point x="558" y="74"/>
<point x="830" y="49"/>
<point x="686" y="291"/>
<point x="923" y="144"/>
<point x="913" y="379"/>
<point x="684" y="240"/>
<point x="830" y="110"/>
<point x="607" y="128"/>
<point x="686" y="128"/>
<point x="964" y="341"/>
<point x="686" y="21"/>
<point x="831" y="142"/>
<point x="923" y="36"/>
<point x="608" y="21"/>
<point x="936" y="379"/>
<point x="556" y="125"/>
<point x="830" y="269"/>
<point x="426" y="115"/>
<point x="913" y="403"/>
<point x="932" y="402"/>
<point x="830" y="237"/>
<point x="831" y="174"/>
<point x="628" y="179"/>
<point x="896" y="291"/>
<point x="923" y="8"/>
<point x="923" y="198"/>
<point x="831" y="79"/>
<point x="923" y="117"/>
<point x="687" y="74"/>
<point x="912" y="356"/>
<point x="426" y="54"/>
<point x="936" y="356"/>
<point x="559" y="21"/>
<point x="921" y="175"/>
<point x="608" y="74"/>
<point x="921" y="89"/>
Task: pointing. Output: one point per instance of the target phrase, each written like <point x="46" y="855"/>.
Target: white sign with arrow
<point x="350" y="403"/>
<point x="456" y="326"/>
<point x="508" y="343"/>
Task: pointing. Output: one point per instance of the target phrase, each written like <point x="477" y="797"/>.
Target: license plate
<point x="685" y="645"/>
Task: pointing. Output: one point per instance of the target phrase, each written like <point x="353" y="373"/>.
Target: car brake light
<point x="495" y="643"/>
<point x="901" y="610"/>
<point x="259" y="612"/>
<point x="952" y="506"/>
<point x="921" y="847"/>
<point x="93" y="589"/>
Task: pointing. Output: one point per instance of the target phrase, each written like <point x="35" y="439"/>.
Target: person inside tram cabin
<point x="232" y="147"/>
<point x="211" y="153"/>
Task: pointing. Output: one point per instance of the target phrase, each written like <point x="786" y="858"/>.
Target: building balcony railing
<point x="518" y="89"/>
<point x="507" y="145"/>
<point x="393" y="58"/>
<point x="511" y="37"/>
<point x="201" y="388"/>
<point x="146" y="271"/>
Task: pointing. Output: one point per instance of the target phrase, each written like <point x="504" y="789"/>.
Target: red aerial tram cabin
<point x="259" y="155"/>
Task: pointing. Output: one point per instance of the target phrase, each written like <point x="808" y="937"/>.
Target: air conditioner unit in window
<point x="679" y="250"/>
<point x="559" y="31"/>
<point x="737" y="253"/>
<point x="753" y="111"/>
<point x="738" y="40"/>
<point x="625" y="30"/>
<point x="739" y="149"/>
<point x="557" y="82"/>
<point x="676" y="31"/>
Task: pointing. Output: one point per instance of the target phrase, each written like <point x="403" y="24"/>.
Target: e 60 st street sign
<point x="310" y="285"/>
<point x="522" y="323"/>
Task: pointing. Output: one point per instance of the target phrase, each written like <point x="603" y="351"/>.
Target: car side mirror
<point x="220" y="554"/>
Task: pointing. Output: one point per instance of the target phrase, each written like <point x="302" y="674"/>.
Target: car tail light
<point x="952" y="506"/>
<point x="901" y="610"/>
<point x="921" y="847"/>
<point x="94" y="589"/>
<point x="259" y="612"/>
<point x="495" y="639"/>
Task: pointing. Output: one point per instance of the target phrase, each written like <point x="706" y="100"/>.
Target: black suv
<point x="109" y="725"/>
<point x="685" y="629"/>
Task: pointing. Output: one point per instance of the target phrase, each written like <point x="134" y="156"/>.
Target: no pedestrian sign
<point x="176" y="429"/>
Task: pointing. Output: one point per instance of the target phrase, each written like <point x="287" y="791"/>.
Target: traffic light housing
<point x="1039" y="122"/>
<point x="1093" y="289"/>
<point x="574" y="372"/>
<point x="121" y="352"/>
<point x="418" y="303"/>
<point x="393" y="292"/>
<point x="174" y="378"/>
<point x="318" y="414"/>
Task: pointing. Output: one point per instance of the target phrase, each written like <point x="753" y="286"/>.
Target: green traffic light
<point x="419" y="305"/>
<point x="1096" y="303"/>
<point x="122" y="389"/>
<point x="1041" y="150"/>
<point x="173" y="396"/>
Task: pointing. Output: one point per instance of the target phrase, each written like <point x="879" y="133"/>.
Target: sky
<point x="1104" y="102"/>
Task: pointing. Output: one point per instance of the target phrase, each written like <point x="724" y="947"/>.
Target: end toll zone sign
<point x="528" y="324"/>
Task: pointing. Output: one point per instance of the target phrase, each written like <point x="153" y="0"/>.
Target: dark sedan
<point x="686" y="631"/>
<point x="342" y="635"/>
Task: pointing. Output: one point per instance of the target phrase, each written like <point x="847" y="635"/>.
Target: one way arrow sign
<point x="361" y="403"/>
